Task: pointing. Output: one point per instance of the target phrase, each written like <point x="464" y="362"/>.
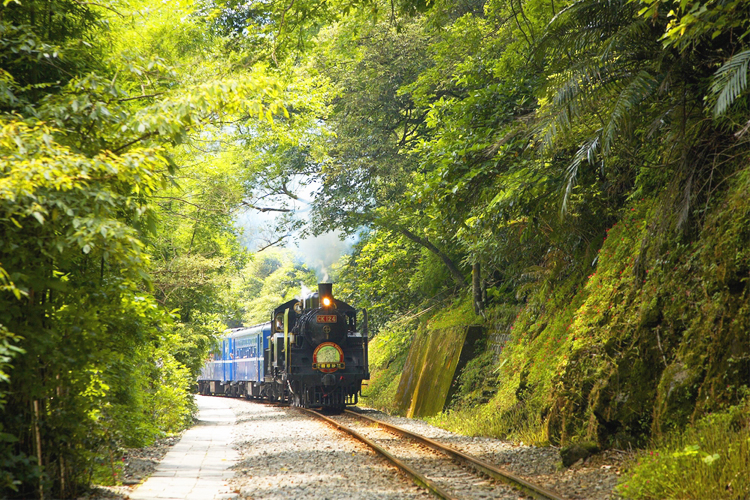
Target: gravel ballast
<point x="590" y="479"/>
<point x="287" y="455"/>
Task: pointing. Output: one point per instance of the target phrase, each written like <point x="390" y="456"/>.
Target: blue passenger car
<point x="237" y="365"/>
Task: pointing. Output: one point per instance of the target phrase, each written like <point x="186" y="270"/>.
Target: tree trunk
<point x="476" y="288"/>
<point x="38" y="443"/>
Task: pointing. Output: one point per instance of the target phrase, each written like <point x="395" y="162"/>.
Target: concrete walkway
<point x="196" y="468"/>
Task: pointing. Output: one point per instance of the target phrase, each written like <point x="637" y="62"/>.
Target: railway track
<point x="444" y="471"/>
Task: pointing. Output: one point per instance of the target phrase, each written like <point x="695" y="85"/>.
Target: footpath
<point x="197" y="467"/>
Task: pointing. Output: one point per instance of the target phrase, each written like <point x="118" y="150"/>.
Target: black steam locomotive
<point x="311" y="354"/>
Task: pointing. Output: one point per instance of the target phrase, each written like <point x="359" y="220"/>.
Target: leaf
<point x="638" y="90"/>
<point x="730" y="81"/>
<point x="588" y="152"/>
<point x="710" y="459"/>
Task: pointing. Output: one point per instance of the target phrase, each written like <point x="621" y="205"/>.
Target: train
<point x="313" y="353"/>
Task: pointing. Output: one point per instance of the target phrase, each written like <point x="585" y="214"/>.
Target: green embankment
<point x="642" y="351"/>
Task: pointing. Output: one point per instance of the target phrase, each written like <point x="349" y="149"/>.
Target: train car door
<point x="230" y="365"/>
<point x="266" y="334"/>
<point x="226" y="360"/>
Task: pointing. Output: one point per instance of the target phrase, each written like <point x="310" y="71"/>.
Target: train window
<point x="279" y="323"/>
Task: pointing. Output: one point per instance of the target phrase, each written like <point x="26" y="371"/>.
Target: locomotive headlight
<point x="326" y="301"/>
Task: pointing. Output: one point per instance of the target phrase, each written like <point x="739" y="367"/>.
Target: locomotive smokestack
<point x="325" y="294"/>
<point x="325" y="289"/>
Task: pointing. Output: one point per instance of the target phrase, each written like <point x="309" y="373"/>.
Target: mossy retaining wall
<point x="435" y="358"/>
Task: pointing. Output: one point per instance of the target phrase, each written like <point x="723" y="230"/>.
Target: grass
<point x="516" y="424"/>
<point x="710" y="460"/>
<point x="381" y="390"/>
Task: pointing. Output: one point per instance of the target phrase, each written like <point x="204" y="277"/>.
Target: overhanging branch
<point x="265" y="209"/>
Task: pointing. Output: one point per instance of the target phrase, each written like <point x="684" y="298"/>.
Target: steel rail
<point x="418" y="478"/>
<point x="516" y="482"/>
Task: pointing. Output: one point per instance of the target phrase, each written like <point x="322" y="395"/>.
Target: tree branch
<point x="188" y="203"/>
<point x="272" y="244"/>
<point x="265" y="209"/>
<point x="458" y="276"/>
<point x="286" y="191"/>
<point x="140" y="97"/>
<point x="128" y="144"/>
<point x="281" y="27"/>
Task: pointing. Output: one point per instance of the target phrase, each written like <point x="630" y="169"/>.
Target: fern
<point x="588" y="152"/>
<point x="638" y="90"/>
<point x="631" y="38"/>
<point x="730" y="81"/>
<point x="600" y="43"/>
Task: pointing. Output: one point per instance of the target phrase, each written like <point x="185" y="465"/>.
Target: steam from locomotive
<point x="313" y="353"/>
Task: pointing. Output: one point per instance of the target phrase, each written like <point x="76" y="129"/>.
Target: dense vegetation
<point x="582" y="164"/>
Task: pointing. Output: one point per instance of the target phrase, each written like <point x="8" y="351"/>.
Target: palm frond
<point x="583" y="25"/>
<point x="730" y="81"/>
<point x="580" y="80"/>
<point x="629" y="38"/>
<point x="635" y="92"/>
<point x="589" y="152"/>
<point x="597" y="45"/>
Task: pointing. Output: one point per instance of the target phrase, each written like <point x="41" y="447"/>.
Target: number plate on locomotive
<point x="326" y="318"/>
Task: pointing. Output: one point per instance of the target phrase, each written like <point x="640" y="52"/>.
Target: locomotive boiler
<point x="313" y="353"/>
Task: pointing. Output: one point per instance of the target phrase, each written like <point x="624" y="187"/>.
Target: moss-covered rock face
<point x="653" y="350"/>
<point x="429" y="370"/>
<point x="414" y="364"/>
<point x="440" y="350"/>
<point x="654" y="338"/>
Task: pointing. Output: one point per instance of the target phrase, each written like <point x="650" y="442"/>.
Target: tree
<point x="88" y="149"/>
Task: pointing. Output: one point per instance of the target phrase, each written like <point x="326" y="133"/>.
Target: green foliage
<point x="269" y="279"/>
<point x="111" y="290"/>
<point x="730" y="81"/>
<point x="518" y="424"/>
<point x="380" y="391"/>
<point x="475" y="385"/>
<point x="107" y="471"/>
<point x="371" y="277"/>
<point x="392" y="343"/>
<point x="707" y="460"/>
<point x="445" y="134"/>
<point x="460" y="313"/>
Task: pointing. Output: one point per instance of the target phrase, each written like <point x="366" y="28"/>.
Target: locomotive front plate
<point x="326" y="318"/>
<point x="328" y="357"/>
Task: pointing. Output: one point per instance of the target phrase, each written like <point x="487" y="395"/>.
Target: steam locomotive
<point x="311" y="354"/>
